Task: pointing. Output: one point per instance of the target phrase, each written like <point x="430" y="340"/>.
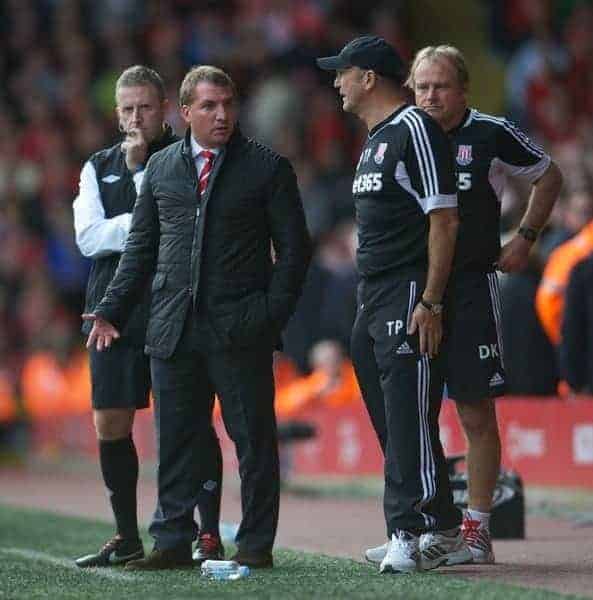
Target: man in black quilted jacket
<point x="210" y="210"/>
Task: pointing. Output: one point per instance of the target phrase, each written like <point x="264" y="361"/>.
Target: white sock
<point x="476" y="515"/>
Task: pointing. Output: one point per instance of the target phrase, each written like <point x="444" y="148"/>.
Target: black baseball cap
<point x="367" y="52"/>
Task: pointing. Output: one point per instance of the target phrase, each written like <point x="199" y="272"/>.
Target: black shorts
<point x="474" y="366"/>
<point x="120" y="377"/>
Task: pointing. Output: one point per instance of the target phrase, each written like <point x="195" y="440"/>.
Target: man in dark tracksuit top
<point x="487" y="150"/>
<point x="210" y="208"/>
<point x="406" y="210"/>
<point x="120" y="377"/>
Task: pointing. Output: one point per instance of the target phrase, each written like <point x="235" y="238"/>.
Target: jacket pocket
<point x="253" y="322"/>
<point x="247" y="324"/>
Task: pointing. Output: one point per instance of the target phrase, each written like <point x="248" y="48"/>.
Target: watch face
<point x="528" y="233"/>
<point x="435" y="309"/>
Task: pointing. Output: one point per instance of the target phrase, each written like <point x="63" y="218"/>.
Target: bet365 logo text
<point x="368" y="182"/>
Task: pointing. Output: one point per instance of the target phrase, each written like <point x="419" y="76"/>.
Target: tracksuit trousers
<point x="402" y="391"/>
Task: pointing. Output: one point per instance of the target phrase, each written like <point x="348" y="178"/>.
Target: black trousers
<point x="402" y="391"/>
<point x="184" y="387"/>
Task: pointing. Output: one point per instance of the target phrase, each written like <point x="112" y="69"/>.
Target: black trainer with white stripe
<point x="405" y="170"/>
<point x="116" y="552"/>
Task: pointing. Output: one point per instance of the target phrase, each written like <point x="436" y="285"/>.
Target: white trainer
<point x="439" y="548"/>
<point x="377" y="554"/>
<point x="403" y="555"/>
<point x="478" y="540"/>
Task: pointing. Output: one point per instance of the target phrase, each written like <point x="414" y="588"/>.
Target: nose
<point x="431" y="93"/>
<point x="337" y="80"/>
<point x="136" y="115"/>
<point x="221" y="113"/>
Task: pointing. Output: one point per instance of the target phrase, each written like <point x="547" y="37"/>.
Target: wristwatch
<point x="528" y="233"/>
<point x="433" y="307"/>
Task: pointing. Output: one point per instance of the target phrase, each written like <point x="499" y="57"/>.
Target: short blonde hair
<point x="449" y="53"/>
<point x="208" y="73"/>
<point x="141" y="75"/>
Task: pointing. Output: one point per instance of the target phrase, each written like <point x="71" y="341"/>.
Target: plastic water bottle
<point x="224" y="570"/>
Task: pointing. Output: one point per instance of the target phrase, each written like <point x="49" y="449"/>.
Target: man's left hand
<point x="102" y="333"/>
<point x="514" y="255"/>
<point x="430" y="330"/>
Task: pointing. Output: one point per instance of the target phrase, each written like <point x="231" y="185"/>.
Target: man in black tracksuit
<point x="210" y="208"/>
<point x="487" y="150"/>
<point x="406" y="210"/>
<point x="120" y="377"/>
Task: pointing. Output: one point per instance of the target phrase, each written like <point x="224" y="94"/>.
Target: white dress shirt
<point x="195" y="152"/>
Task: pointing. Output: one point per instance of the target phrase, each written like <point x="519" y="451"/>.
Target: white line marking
<point x="66" y="563"/>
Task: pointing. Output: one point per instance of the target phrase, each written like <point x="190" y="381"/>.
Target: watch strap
<point x="528" y="233"/>
<point x="434" y="307"/>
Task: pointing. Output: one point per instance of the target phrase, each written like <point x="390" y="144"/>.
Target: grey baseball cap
<point x="367" y="52"/>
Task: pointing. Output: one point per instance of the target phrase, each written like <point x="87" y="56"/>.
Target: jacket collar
<point x="464" y="122"/>
<point x="196" y="149"/>
<point x="186" y="149"/>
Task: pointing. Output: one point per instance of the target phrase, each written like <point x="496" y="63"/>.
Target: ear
<point x="369" y="79"/>
<point x="118" y="115"/>
<point x="185" y="113"/>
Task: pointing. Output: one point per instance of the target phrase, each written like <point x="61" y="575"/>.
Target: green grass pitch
<point x="37" y="548"/>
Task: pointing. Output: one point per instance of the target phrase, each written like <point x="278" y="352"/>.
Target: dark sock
<point x="210" y="495"/>
<point x="119" y="465"/>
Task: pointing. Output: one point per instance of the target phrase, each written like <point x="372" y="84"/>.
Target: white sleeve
<point x="530" y="173"/>
<point x="138" y="177"/>
<point x="97" y="236"/>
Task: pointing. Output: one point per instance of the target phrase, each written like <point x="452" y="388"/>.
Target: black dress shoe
<point x="209" y="547"/>
<point x="254" y="560"/>
<point x="170" y="558"/>
<point x="116" y="552"/>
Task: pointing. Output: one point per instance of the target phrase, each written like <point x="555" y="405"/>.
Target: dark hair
<point x="208" y="73"/>
<point x="141" y="75"/>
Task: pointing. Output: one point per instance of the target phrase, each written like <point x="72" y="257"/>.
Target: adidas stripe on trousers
<point x="402" y="391"/>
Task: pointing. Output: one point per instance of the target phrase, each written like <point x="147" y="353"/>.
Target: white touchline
<point x="66" y="563"/>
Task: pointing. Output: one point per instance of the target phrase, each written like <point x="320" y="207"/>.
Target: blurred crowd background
<point x="59" y="59"/>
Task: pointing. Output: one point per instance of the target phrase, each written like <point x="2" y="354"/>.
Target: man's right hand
<point x="135" y="147"/>
<point x="430" y="330"/>
<point x="102" y="334"/>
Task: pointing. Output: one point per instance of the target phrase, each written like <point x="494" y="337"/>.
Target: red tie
<point x="206" y="169"/>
